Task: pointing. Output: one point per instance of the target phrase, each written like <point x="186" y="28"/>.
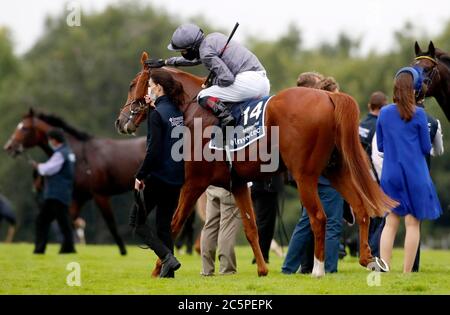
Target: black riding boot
<point x="219" y="109"/>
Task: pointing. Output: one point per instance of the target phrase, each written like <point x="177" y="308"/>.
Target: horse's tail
<point x="346" y="113"/>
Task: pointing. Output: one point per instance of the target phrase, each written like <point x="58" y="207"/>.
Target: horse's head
<point x="135" y="109"/>
<point x="429" y="64"/>
<point x="29" y="133"/>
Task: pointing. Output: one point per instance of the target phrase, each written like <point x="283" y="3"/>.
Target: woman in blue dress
<point x="402" y="134"/>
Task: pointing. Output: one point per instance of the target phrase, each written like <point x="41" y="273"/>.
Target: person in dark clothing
<point x="367" y="129"/>
<point x="186" y="236"/>
<point x="434" y="127"/>
<point x="7" y="214"/>
<point x="368" y="125"/>
<point x="58" y="174"/>
<point x="265" y="197"/>
<point x="160" y="175"/>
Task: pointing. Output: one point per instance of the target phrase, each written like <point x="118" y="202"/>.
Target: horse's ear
<point x="431" y="50"/>
<point x="144" y="57"/>
<point x="31" y="112"/>
<point x="417" y="49"/>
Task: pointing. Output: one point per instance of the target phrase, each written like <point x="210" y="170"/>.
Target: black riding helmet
<point x="187" y="37"/>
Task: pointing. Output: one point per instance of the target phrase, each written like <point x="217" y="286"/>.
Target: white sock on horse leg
<point x="318" y="269"/>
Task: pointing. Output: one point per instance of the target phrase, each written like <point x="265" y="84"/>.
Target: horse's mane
<point x="178" y="71"/>
<point x="190" y="109"/>
<point x="443" y="56"/>
<point x="58" y="122"/>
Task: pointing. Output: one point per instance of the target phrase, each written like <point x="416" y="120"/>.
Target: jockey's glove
<point x="155" y="63"/>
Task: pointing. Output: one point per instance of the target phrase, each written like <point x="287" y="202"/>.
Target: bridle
<point x="136" y="108"/>
<point x="428" y="79"/>
<point x="30" y="134"/>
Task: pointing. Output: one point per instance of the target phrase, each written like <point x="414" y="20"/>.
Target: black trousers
<point x="187" y="234"/>
<point x="266" y="207"/>
<point x="53" y="209"/>
<point x="164" y="198"/>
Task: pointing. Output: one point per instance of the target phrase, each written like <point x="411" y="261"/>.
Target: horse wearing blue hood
<point x="434" y="65"/>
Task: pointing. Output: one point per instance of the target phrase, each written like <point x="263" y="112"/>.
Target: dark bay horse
<point x="313" y="126"/>
<point x="104" y="167"/>
<point x="436" y="66"/>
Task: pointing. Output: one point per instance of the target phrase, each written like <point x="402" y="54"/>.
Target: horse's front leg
<point x="190" y="192"/>
<point x="241" y="194"/>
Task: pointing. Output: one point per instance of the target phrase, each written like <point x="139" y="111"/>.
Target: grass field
<point x="104" y="271"/>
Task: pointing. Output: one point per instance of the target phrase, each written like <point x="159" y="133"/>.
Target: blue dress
<point x="405" y="176"/>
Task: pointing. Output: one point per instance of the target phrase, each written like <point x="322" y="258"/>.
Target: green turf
<point x="104" y="271"/>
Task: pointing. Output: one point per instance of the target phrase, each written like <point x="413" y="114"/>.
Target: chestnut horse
<point x="313" y="126"/>
<point x="104" y="167"/>
<point x="436" y="68"/>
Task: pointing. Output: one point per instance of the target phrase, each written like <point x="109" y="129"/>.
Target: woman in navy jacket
<point x="161" y="174"/>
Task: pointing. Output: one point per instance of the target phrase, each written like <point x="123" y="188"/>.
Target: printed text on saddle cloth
<point x="249" y="116"/>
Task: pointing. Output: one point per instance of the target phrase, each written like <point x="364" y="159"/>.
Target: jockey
<point x="237" y="74"/>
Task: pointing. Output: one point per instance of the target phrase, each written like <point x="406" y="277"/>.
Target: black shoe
<point x="171" y="274"/>
<point x="68" y="251"/>
<point x="305" y="270"/>
<point x="169" y="264"/>
<point x="353" y="247"/>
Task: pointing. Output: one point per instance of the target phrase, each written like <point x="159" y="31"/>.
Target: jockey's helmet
<point x="185" y="37"/>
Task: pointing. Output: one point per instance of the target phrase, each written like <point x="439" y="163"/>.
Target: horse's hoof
<point x="263" y="272"/>
<point x="123" y="251"/>
<point x="156" y="271"/>
<point x="155" y="274"/>
<point x="365" y="262"/>
<point x="317" y="275"/>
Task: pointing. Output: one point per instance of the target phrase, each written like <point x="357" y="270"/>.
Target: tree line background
<point x="82" y="74"/>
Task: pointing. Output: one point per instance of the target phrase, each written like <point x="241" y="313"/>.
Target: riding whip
<point x="210" y="75"/>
